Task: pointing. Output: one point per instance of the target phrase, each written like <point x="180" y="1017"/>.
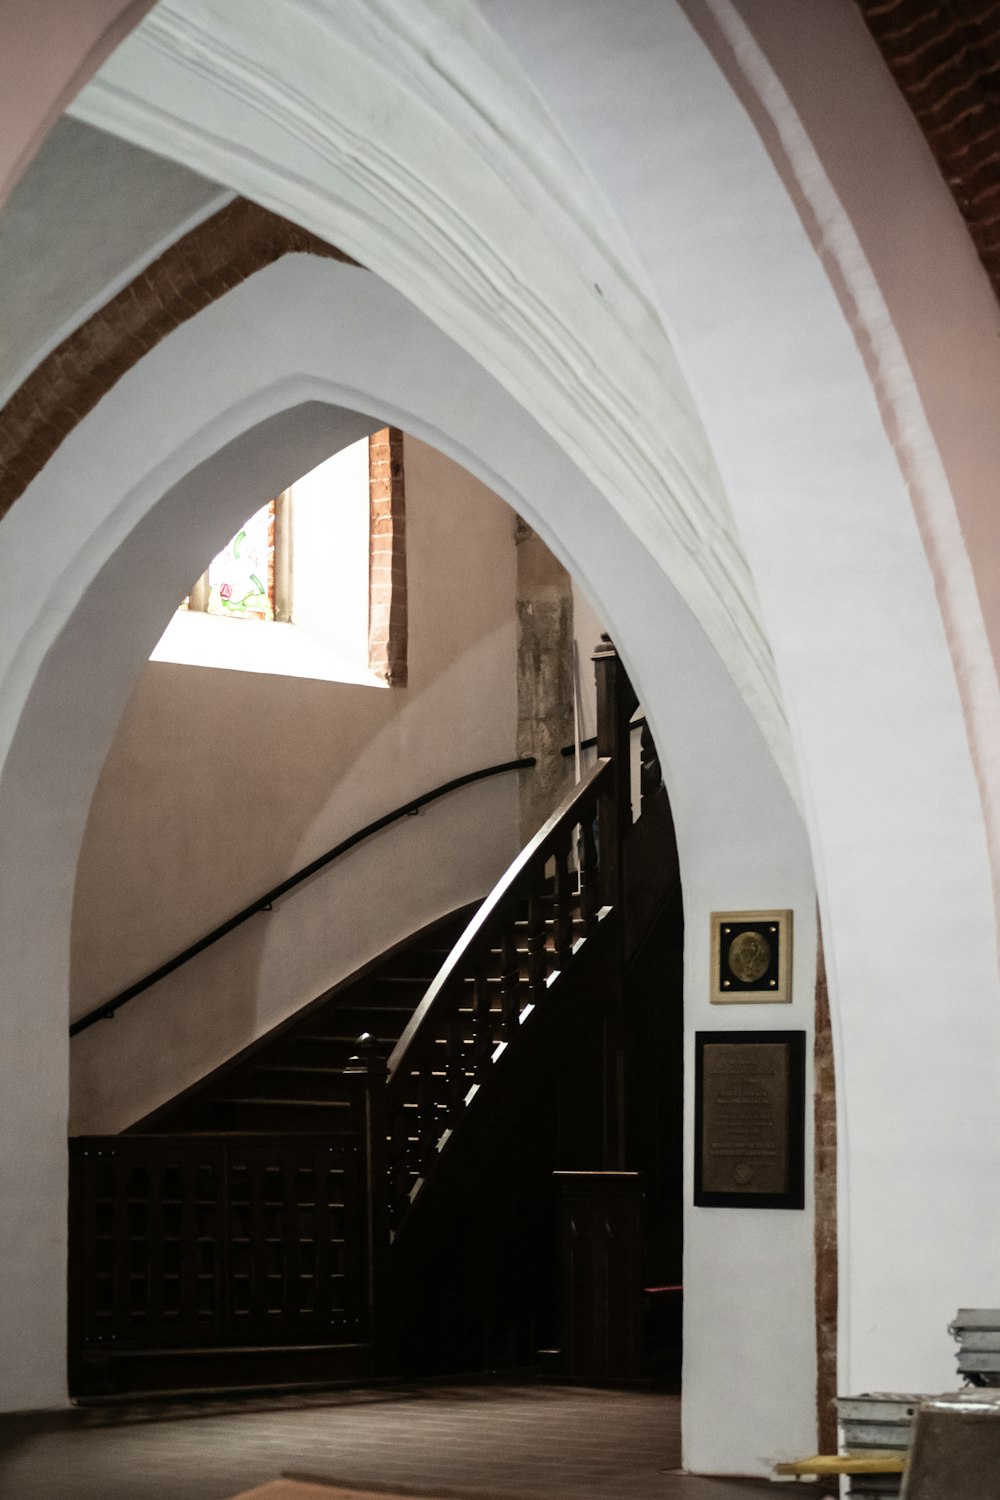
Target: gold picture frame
<point x="751" y="958"/>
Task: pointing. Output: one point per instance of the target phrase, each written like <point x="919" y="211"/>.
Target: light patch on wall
<point x="327" y="635"/>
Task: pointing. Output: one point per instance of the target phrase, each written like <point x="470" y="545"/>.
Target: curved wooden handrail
<point x="506" y="892"/>
<point x="512" y="956"/>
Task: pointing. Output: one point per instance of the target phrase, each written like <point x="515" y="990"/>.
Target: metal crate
<point x="876" y="1420"/>
<point x="977" y="1330"/>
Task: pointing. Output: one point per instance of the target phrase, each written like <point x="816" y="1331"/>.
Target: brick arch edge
<point x="192" y="273"/>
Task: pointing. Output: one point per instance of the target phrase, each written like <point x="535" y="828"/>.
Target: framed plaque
<point x="749" y="1144"/>
<point x="751" y="958"/>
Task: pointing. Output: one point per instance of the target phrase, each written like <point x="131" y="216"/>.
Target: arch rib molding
<point x="440" y="170"/>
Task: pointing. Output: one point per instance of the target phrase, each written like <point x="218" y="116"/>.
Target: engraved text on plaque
<point x="745" y="1118"/>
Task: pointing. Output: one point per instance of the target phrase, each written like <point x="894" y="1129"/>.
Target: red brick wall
<point x="825" y="1120"/>
<point x="945" y="58"/>
<point x="387" y="615"/>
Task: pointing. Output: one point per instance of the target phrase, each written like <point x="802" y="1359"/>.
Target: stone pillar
<point x="544" y="677"/>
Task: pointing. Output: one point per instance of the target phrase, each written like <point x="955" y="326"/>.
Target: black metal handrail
<point x="105" y="1011"/>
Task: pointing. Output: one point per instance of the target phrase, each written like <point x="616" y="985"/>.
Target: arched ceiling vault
<point x="945" y="58"/>
<point x="506" y="243"/>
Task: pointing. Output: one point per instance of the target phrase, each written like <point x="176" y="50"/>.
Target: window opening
<point x="249" y="578"/>
<point x="319" y="573"/>
<point x="241" y="576"/>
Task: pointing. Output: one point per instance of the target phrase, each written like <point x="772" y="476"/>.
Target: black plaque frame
<point x="793" y="1126"/>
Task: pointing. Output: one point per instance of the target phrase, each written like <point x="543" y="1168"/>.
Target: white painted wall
<point x="220" y="784"/>
<point x="922" y="266"/>
<point x="138" y="471"/>
<point x="911" y="287"/>
<point x="587" y="629"/>
<point x="330" y="546"/>
<point x="824" y="498"/>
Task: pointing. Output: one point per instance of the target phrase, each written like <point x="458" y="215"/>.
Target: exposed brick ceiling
<point x="945" y="58"/>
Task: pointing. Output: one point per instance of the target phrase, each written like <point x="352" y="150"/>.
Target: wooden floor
<point x="302" y="1489"/>
<point x="485" y="1442"/>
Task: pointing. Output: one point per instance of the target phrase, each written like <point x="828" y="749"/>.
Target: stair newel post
<point x="510" y="981"/>
<point x="616" y="703"/>
<point x="369" y="1066"/>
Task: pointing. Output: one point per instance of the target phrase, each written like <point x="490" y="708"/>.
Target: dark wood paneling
<point x="198" y="1242"/>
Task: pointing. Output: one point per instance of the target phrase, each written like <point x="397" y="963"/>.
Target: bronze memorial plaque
<point x="749" y="1101"/>
<point x="751" y="958"/>
<point x="745" y="1122"/>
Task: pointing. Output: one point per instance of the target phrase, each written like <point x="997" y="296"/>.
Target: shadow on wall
<point x="219" y="784"/>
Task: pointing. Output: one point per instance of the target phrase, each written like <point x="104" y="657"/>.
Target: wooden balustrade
<point x="523" y="939"/>
<point x="205" y="1241"/>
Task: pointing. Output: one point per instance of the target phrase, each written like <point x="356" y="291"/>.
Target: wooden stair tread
<point x="306" y="1069"/>
<point x="296" y="1067"/>
<point x="350" y="1038"/>
<point x="258" y="1101"/>
<point x="290" y="1083"/>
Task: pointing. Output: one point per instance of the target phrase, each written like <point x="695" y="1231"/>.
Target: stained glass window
<point x="241" y="576"/>
<point x="324" y="563"/>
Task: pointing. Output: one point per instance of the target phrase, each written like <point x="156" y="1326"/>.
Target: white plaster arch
<point x="915" y="294"/>
<point x="510" y="247"/>
<point x="624" y="105"/>
<point x="890" y="797"/>
<point x="259" y="384"/>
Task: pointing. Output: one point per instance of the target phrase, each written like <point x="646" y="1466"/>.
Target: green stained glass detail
<point x="241" y="577"/>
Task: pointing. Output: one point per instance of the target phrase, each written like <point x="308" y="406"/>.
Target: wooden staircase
<point x="286" y="1220"/>
<point x="294" y="1078"/>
